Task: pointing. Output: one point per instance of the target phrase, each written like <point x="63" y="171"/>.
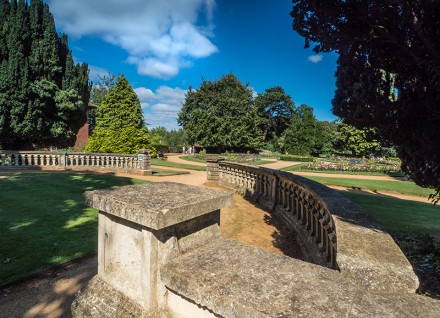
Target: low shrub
<point x="296" y="158"/>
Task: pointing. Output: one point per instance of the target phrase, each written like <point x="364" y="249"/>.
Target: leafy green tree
<point x="388" y="72"/>
<point x="120" y="126"/>
<point x="172" y="140"/>
<point x="357" y="142"/>
<point x="101" y="88"/>
<point x="275" y="109"/>
<point x="221" y="115"/>
<point x="301" y="135"/>
<point x="43" y="93"/>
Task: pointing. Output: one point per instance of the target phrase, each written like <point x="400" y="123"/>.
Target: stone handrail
<point x="139" y="163"/>
<point x="330" y="229"/>
<point x="303" y="211"/>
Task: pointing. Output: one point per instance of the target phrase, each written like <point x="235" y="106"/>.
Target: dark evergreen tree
<point x="221" y="115"/>
<point x="301" y="136"/>
<point x="275" y="109"/>
<point x="388" y="72"/>
<point x="42" y="92"/>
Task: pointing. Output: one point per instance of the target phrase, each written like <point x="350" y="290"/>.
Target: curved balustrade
<point x="302" y="209"/>
<point x="72" y="161"/>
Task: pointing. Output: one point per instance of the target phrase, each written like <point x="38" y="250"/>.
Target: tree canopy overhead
<point x="221" y="115"/>
<point x="43" y="93"/>
<point x="388" y="74"/>
<point x="120" y="127"/>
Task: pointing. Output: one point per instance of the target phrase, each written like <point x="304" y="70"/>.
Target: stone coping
<point x="158" y="205"/>
<point x="236" y="280"/>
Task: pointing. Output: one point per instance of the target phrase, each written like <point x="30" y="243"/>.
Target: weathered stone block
<point x="141" y="228"/>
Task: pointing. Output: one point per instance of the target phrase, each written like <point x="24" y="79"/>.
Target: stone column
<point x="141" y="228"/>
<point x="213" y="169"/>
<point x="144" y="160"/>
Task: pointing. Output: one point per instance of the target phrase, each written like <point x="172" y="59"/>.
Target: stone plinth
<point x="212" y="166"/>
<point x="141" y="228"/>
<point x="144" y="160"/>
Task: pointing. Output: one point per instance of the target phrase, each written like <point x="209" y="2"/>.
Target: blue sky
<point x="164" y="46"/>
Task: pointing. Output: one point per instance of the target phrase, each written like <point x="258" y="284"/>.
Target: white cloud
<point x="95" y="72"/>
<point x="160" y="37"/>
<point x="161" y="106"/>
<point x="315" y="58"/>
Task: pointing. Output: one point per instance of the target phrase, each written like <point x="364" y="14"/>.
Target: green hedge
<point x="296" y="158"/>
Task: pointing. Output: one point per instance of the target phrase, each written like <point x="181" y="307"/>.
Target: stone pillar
<point x="213" y="169"/>
<point x="144" y="160"/>
<point x="141" y="228"/>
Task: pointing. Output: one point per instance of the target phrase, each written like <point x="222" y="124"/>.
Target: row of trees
<point x="43" y="93"/>
<point x="223" y="115"/>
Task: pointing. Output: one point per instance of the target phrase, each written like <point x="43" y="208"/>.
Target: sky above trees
<point x="163" y="47"/>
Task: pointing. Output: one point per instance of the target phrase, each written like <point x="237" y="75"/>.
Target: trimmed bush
<point x="296" y="158"/>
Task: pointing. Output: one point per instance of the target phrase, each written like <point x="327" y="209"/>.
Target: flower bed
<point x="354" y="165"/>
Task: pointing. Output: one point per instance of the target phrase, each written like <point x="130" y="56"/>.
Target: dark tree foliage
<point x="326" y="138"/>
<point x="220" y="115"/>
<point x="43" y="93"/>
<point x="275" y="108"/>
<point x="301" y="136"/>
<point x="388" y="74"/>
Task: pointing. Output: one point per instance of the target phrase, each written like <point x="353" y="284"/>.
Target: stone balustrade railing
<point x="139" y="164"/>
<point x="301" y="209"/>
<point x="160" y="254"/>
<point x="330" y="229"/>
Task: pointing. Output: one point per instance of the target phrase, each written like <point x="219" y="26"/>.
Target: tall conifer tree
<point x="120" y="126"/>
<point x="43" y="93"/>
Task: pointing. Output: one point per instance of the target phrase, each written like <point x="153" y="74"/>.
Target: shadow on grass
<point x="45" y="221"/>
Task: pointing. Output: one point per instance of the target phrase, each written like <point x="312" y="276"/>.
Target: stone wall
<point x="139" y="164"/>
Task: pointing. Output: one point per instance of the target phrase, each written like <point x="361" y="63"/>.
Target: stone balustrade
<point x="330" y="230"/>
<point x="301" y="209"/>
<point x="139" y="164"/>
<point x="160" y="254"/>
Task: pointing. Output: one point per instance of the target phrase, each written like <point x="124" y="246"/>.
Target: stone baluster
<point x="144" y="160"/>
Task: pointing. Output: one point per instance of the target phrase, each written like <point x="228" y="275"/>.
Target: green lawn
<point x="44" y="221"/>
<point x="192" y="158"/>
<point x="404" y="187"/>
<point x="165" y="163"/>
<point x="398" y="215"/>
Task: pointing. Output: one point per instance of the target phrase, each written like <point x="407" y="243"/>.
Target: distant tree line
<point x="223" y="115"/>
<point x="43" y="93"/>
